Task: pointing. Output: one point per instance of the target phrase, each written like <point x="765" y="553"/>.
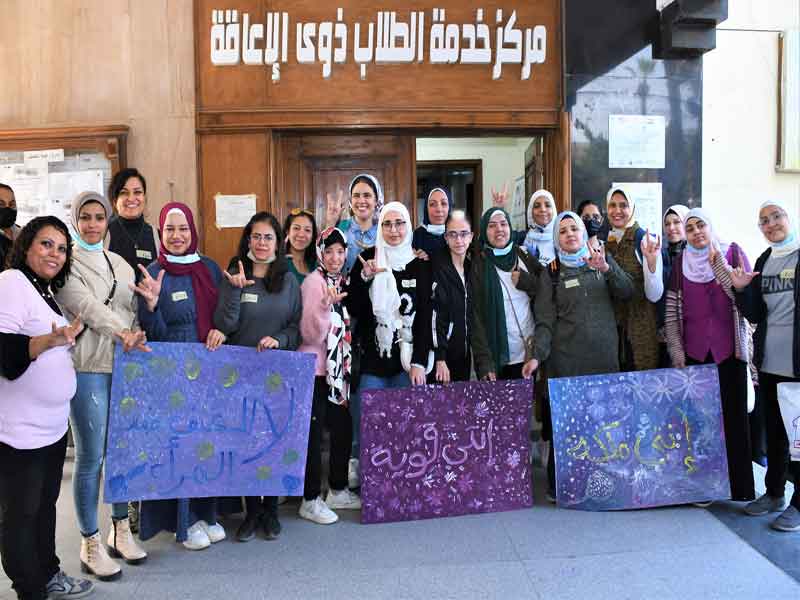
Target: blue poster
<point x="188" y="423"/>
<point x="637" y="440"/>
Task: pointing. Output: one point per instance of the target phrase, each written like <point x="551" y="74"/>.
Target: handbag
<point x="527" y="341"/>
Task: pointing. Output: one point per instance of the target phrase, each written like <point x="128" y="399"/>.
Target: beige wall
<point x="88" y="62"/>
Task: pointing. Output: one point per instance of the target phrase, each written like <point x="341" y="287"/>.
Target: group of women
<point x="381" y="305"/>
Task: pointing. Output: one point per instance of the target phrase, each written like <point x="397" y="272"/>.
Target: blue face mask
<point x="186" y="259"/>
<point x="98" y="247"/>
<point x="576" y="259"/>
<point x="503" y="251"/>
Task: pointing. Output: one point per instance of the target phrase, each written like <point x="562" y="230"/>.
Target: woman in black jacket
<point x="452" y="299"/>
<point x="769" y="298"/>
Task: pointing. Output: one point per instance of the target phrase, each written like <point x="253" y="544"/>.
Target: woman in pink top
<point x="37" y="380"/>
<point x="325" y="328"/>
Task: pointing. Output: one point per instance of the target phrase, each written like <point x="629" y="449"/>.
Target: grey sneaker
<point x="64" y="586"/>
<point x="764" y="505"/>
<point x="788" y="520"/>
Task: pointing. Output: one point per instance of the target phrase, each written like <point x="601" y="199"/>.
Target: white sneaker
<point x="215" y="532"/>
<point x="353" y="474"/>
<point x="197" y="538"/>
<point x="316" y="510"/>
<point x="343" y="499"/>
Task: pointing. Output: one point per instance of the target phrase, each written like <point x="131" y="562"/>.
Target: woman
<point x="366" y="201"/>
<point x="98" y="290"/>
<point x="539" y="240"/>
<point x="390" y="290"/>
<point x="675" y="236"/>
<point x="8" y="218"/>
<point x="575" y="311"/>
<point x="37" y="380"/>
<point x="259" y="306"/>
<point x="178" y="297"/>
<point x="301" y="233"/>
<point x="768" y="297"/>
<point x="703" y="326"/>
<point x="504" y="277"/>
<point x="429" y="237"/>
<point x="452" y="302"/>
<point x="129" y="235"/>
<point x="592" y="217"/>
<point x="639" y="255"/>
<point x="325" y="327"/>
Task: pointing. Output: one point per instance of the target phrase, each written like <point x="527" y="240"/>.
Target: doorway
<point x="462" y="180"/>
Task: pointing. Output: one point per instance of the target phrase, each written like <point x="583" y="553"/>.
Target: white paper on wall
<point x="648" y="203"/>
<point x="234" y="210"/>
<point x="636" y="142"/>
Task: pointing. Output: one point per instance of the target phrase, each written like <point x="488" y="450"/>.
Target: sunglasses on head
<point x="301" y="211"/>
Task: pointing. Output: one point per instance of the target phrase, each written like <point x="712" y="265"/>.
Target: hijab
<point x="203" y="286"/>
<point x="376" y="189"/>
<point x="791" y="243"/>
<point x="77" y="204"/>
<point x="437" y="230"/>
<point x="339" y="357"/>
<point x="383" y="292"/>
<point x="616" y="235"/>
<point x="495" y="318"/>
<point x="429" y="237"/>
<point x="696" y="267"/>
<point x="571" y="259"/>
<point x="680" y="211"/>
<point x="539" y="240"/>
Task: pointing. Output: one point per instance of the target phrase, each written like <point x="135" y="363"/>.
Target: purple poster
<point x="439" y="451"/>
<point x="636" y="440"/>
<point x="188" y="423"/>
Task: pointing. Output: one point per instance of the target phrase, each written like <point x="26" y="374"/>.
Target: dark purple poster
<point x="440" y="451"/>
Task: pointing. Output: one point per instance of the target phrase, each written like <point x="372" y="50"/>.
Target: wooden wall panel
<point x="231" y="164"/>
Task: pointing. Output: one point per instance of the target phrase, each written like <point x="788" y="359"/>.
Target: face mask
<point x="8" y="216"/>
<point x="593" y="225"/>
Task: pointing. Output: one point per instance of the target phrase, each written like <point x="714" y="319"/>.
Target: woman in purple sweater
<point x="704" y="326"/>
<point x="37" y="381"/>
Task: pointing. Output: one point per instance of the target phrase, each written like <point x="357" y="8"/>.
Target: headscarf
<point x="338" y="356"/>
<point x="203" y="286"/>
<point x="792" y="242"/>
<point x="77" y="204"/>
<point x="539" y="240"/>
<point x="495" y="318"/>
<point x="376" y="188"/>
<point x="696" y="267"/>
<point x="383" y="292"/>
<point x="426" y="219"/>
<point x="616" y="235"/>
<point x="571" y="259"/>
<point x="680" y="211"/>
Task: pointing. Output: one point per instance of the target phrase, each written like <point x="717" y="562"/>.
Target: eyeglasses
<point x="458" y="235"/>
<point x="301" y="211"/>
<point x="771" y="219"/>
<point x="396" y="225"/>
<point x="267" y="237"/>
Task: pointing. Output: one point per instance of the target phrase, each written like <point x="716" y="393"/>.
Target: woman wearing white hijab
<point x="704" y="326"/>
<point x="768" y="297"/>
<point x="390" y="291"/>
<point x="541" y="216"/>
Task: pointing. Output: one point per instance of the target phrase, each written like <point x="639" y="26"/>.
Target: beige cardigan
<point x="87" y="288"/>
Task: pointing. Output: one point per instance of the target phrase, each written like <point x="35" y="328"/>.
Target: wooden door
<point x="307" y="167"/>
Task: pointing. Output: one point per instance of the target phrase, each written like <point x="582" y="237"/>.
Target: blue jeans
<point x="88" y="418"/>
<point x="371" y="382"/>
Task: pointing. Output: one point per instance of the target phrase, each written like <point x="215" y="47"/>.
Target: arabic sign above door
<point x="426" y="60"/>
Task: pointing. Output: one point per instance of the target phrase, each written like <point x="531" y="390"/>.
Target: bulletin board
<point x="47" y="168"/>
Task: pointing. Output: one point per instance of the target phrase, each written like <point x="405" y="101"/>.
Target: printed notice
<point x="64" y="187"/>
<point x="51" y="156"/>
<point x="234" y="211"/>
<point x="647" y="197"/>
<point x="636" y="142"/>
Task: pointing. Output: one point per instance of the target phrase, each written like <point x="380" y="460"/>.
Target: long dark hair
<point x="277" y="269"/>
<point x="120" y="179"/>
<point x="19" y="254"/>
<point x="310" y="253"/>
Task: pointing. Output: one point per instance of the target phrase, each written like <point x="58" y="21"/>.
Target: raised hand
<point x="651" y="249"/>
<point x="148" y="288"/>
<point x="331" y="297"/>
<point x="66" y="335"/>
<point x="713" y="253"/>
<point x="529" y="368"/>
<point x="442" y="372"/>
<point x="371" y="268"/>
<point x="499" y="198"/>
<point x="334" y="208"/>
<point x="239" y="280"/>
<point x="515" y="275"/>
<point x="597" y="259"/>
<point x="133" y="340"/>
<point x="267" y="343"/>
<point x="741" y="278"/>
<point x="421" y="254"/>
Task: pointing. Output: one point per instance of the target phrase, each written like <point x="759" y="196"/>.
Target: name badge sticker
<point x="787" y="274"/>
<point x="178" y="296"/>
<point x="252" y="298"/>
<point x="571" y="283"/>
<point x="409" y="283"/>
<point x="144" y="254"/>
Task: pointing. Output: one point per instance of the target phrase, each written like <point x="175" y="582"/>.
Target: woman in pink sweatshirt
<point x="325" y="328"/>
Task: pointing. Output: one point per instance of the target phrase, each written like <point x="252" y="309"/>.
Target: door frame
<point x="472" y="163"/>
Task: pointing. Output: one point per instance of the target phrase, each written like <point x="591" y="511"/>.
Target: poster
<point x="648" y="198"/>
<point x="234" y="211"/>
<point x="188" y="423"/>
<point x="64" y="187"/>
<point x="30" y="184"/>
<point x="638" y="440"/>
<point x="438" y="451"/>
<point x="636" y="142"/>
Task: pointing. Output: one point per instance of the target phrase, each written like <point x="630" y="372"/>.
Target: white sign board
<point x="234" y="211"/>
<point x="636" y="142"/>
<point x="647" y="197"/>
